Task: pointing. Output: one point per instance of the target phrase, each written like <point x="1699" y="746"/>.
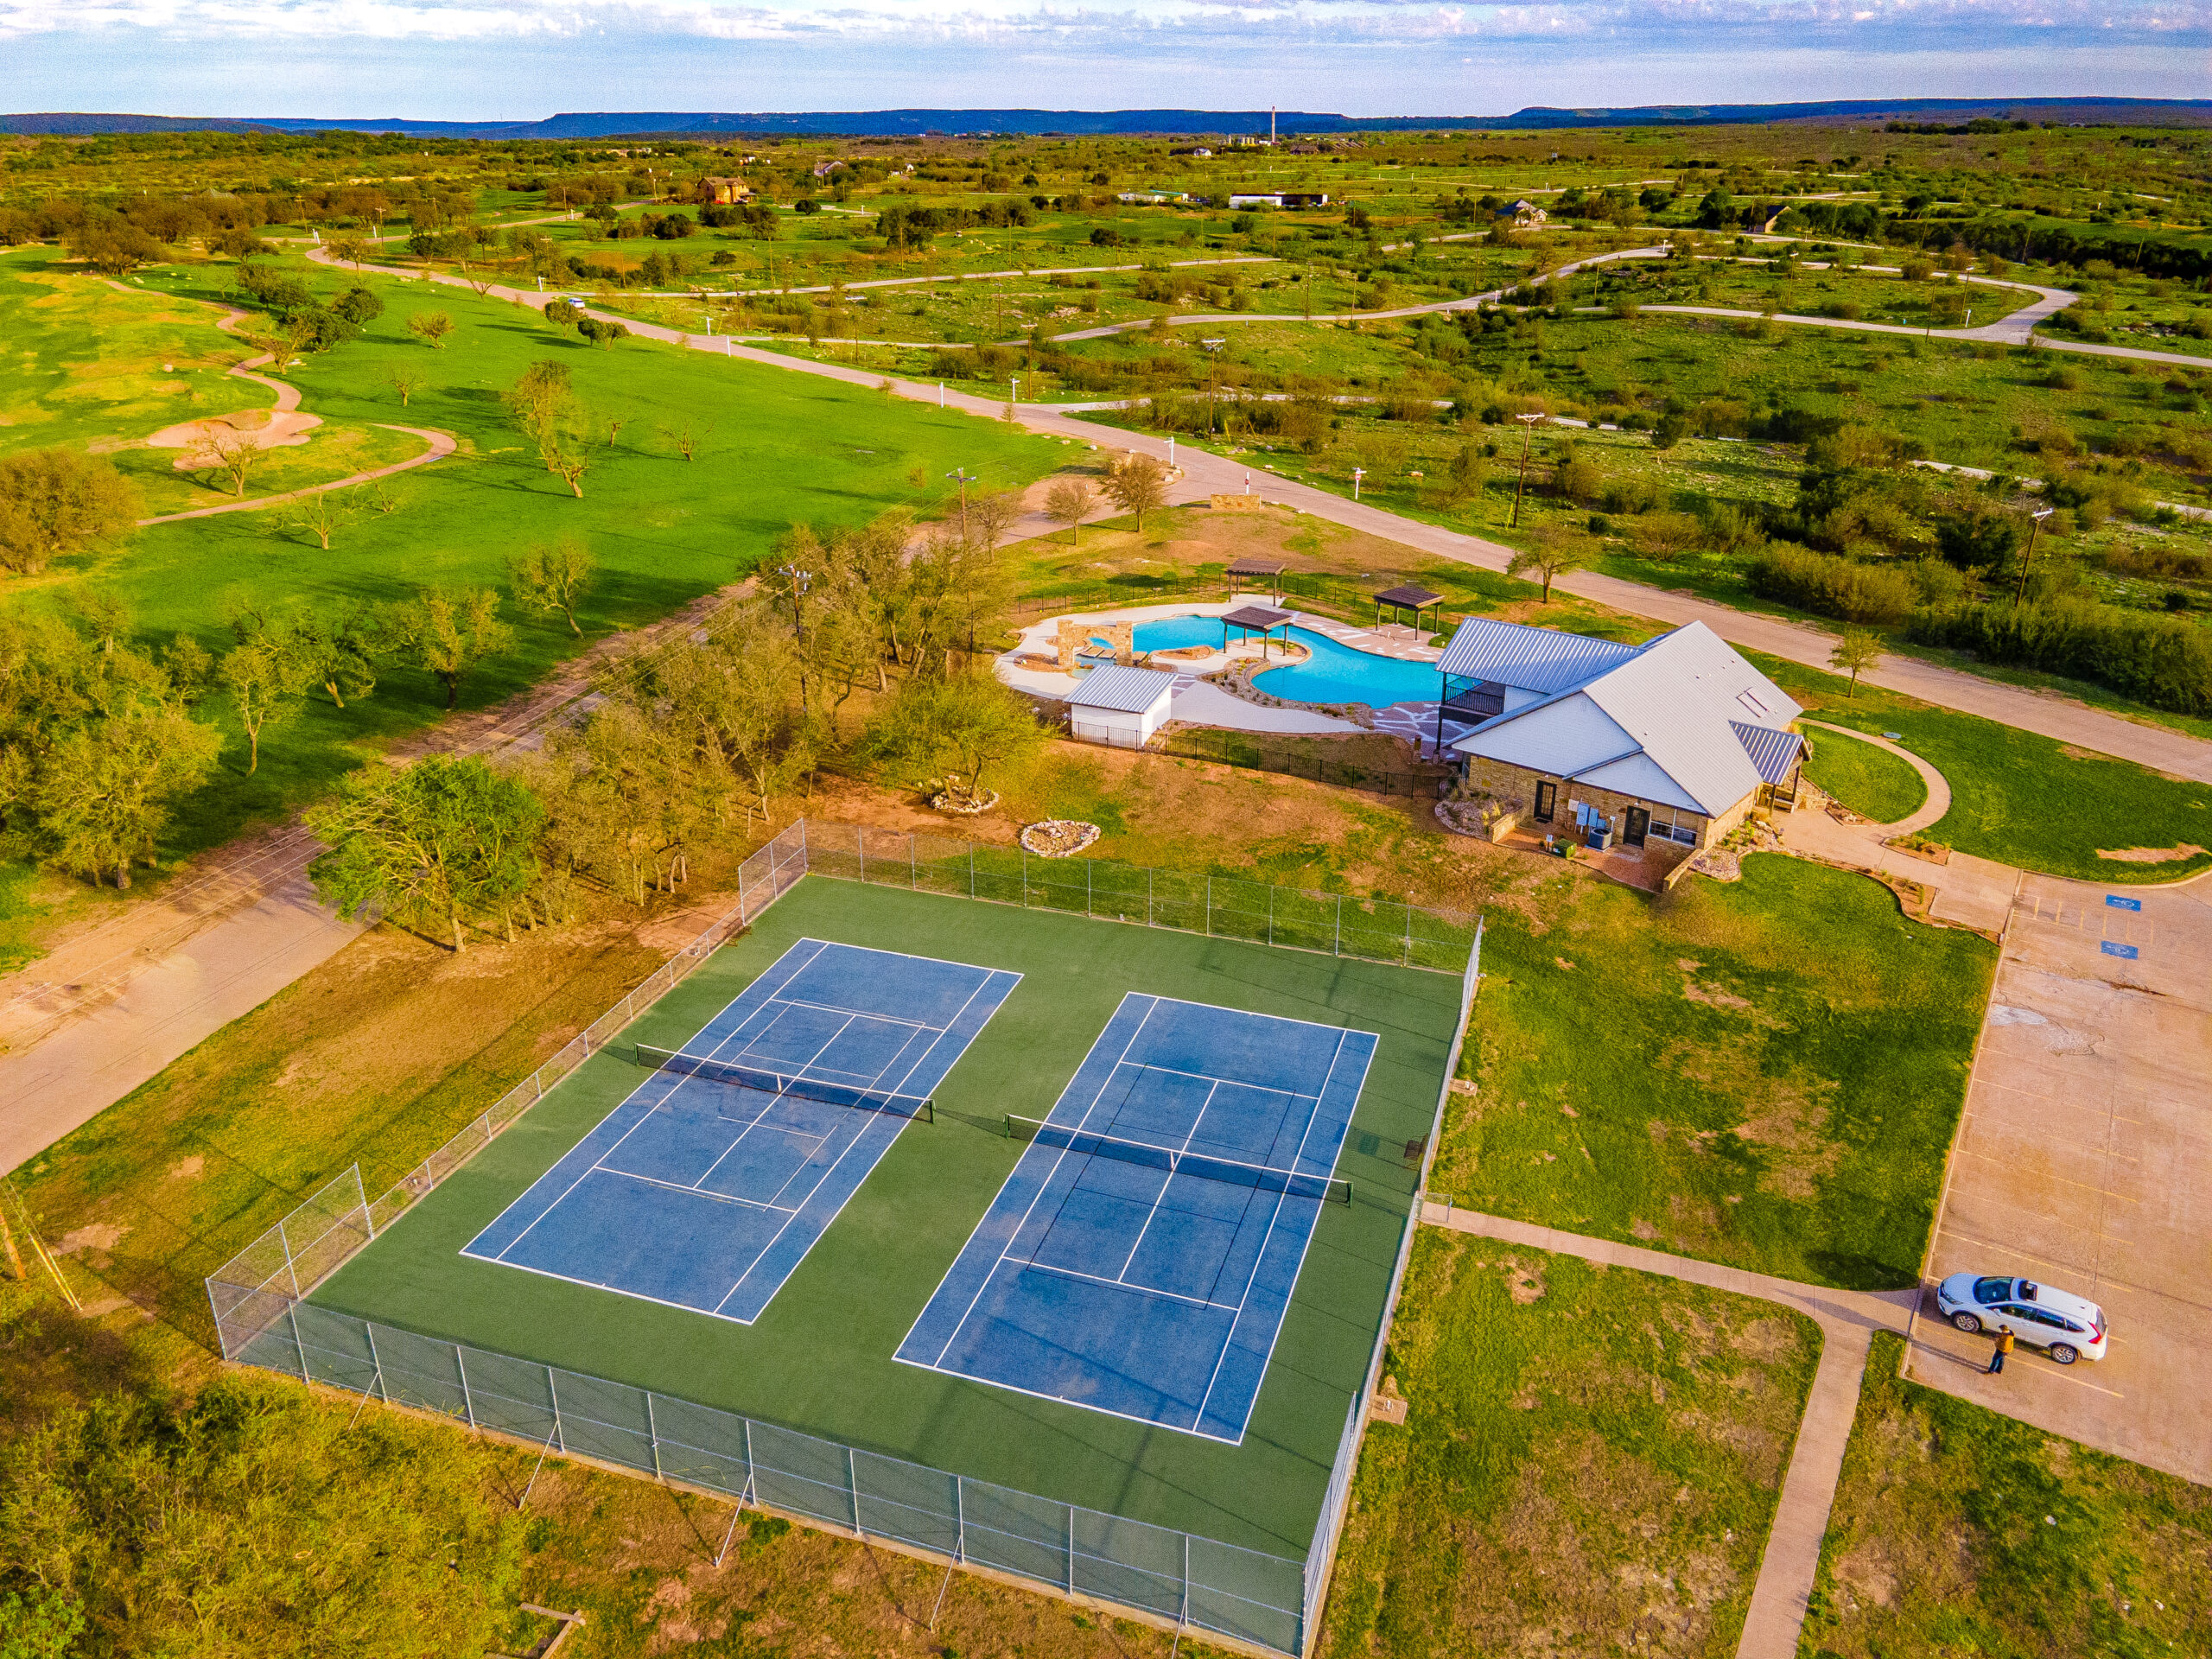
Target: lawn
<point x="1872" y="782"/>
<point x="1957" y="1530"/>
<point x="769" y="449"/>
<point x="2021" y="798"/>
<point x="1590" y="1461"/>
<point x="1764" y="1072"/>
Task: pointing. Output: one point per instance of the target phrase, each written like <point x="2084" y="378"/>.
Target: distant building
<point x="1283" y="199"/>
<point x="1524" y="214"/>
<point x="824" y="169"/>
<point x="1199" y="150"/>
<point x="1152" y="198"/>
<point x="713" y="189"/>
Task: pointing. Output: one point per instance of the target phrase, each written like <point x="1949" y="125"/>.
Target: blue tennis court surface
<point x="1139" y="1258"/>
<point x="706" y="1193"/>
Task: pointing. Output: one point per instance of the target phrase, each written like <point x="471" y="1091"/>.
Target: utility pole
<point x="2038" y="516"/>
<point x="1527" y="429"/>
<point x="960" y="474"/>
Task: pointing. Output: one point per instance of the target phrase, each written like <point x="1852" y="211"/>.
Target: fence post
<point x="1409" y="935"/>
<point x="1090" y="869"/>
<point x="1148" y="896"/>
<point x="959" y="1521"/>
<point x="368" y="1221"/>
<point x="971" y="869"/>
<point x="853" y="1483"/>
<point x="467" y="1402"/>
<point x="860" y="840"/>
<point x="290" y="1273"/>
<point x="1271" y="914"/>
<point x="553" y="1393"/>
<point x="803" y="864"/>
<point x="748" y="1491"/>
<point x="913" y="880"/>
<point x="1183" y="1615"/>
<point x="384" y="1389"/>
<point x="1025" y="876"/>
<point x="1337" y="945"/>
<point x="1071" y="1549"/>
<point x="292" y="1312"/>
<point x="652" y="1435"/>
<point x="1209" y="906"/>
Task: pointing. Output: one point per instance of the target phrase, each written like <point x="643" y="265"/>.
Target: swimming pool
<point x="1334" y="673"/>
<point x="1337" y="673"/>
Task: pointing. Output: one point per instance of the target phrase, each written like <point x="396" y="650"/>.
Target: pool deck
<point x="1196" y="703"/>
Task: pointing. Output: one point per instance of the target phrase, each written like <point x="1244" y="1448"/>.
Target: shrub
<point x="1830" y="586"/>
<point x="1629" y="495"/>
<point x="1662" y="534"/>
<point x="1575" y="480"/>
<point x="2164" y="662"/>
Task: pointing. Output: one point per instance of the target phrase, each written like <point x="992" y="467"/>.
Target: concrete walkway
<point x="1939" y="789"/>
<point x="1848" y="1321"/>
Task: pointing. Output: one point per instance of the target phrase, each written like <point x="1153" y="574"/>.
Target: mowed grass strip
<point x="1959" y="1531"/>
<point x="1590" y="1460"/>
<point x="2022" y="799"/>
<point x="1871" y="781"/>
<point x="1763" y="1072"/>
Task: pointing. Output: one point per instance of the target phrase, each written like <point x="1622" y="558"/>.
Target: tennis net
<point x="799" y="1087"/>
<point x="1327" y="1189"/>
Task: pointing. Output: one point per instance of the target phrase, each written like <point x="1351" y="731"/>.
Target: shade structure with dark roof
<point x="1271" y="569"/>
<point x="1255" y="619"/>
<point x="1407" y="596"/>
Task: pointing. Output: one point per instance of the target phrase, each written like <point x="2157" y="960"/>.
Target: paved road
<point x="1848" y="1321"/>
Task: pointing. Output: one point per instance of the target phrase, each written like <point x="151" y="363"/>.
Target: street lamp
<point x="1528" y="428"/>
<point x="2038" y="516"/>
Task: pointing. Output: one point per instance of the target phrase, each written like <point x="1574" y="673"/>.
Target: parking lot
<point x="2085" y="1160"/>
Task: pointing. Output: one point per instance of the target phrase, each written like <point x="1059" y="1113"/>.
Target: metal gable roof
<point x="1687" y="703"/>
<point x="1535" y="660"/>
<point x="1126" y="690"/>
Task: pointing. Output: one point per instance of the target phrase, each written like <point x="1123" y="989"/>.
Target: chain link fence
<point x="262" y="1318"/>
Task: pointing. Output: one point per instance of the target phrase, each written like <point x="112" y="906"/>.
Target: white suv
<point x="2064" y="1325"/>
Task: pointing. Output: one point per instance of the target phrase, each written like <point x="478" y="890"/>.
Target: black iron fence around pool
<point x="263" y="1316"/>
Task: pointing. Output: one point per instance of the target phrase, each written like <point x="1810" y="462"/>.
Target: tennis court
<point x="708" y="1185"/>
<point x="1140" y="1256"/>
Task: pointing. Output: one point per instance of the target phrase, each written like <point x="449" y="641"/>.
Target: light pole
<point x="1528" y="428"/>
<point x="1213" y="362"/>
<point x="960" y="474"/>
<point x="2038" y="516"/>
<point x="1171" y="452"/>
<point x="1014" y="389"/>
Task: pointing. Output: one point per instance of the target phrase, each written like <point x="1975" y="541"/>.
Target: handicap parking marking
<point x="2118" y="902"/>
<point x="2114" y="947"/>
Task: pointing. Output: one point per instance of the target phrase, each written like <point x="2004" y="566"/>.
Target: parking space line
<point x="1991" y="1158"/>
<point x="1972" y="1118"/>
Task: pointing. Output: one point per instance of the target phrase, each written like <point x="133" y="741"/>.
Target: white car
<point x="2066" y="1327"/>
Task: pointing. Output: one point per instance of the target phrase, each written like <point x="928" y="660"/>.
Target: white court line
<point x="1166" y="1181"/>
<point x="1142" y="1290"/>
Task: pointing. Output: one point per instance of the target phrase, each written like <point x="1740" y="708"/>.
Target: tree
<point x="439" y="841"/>
<point x="265" y="684"/>
<point x="1470" y="471"/>
<point x="406" y="382"/>
<point x="450" y="631"/>
<point x="431" y="327"/>
<point x="990" y="516"/>
<point x="554" y="578"/>
<point x="1069" y="502"/>
<point x="223" y="448"/>
<point x="543" y="403"/>
<point x="56" y="502"/>
<point x="340" y="652"/>
<point x="114" y="247"/>
<point x="321" y="514"/>
<point x="1550" y="555"/>
<point x="968" y="725"/>
<point x="1137" y="485"/>
<point x="1856" y="651"/>
<point x="600" y="332"/>
<point x="106" y="791"/>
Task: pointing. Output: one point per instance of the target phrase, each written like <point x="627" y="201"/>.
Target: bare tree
<point x="322" y="514"/>
<point x="406" y="382"/>
<point x="1550" y="555"/>
<point x="1137" y="485"/>
<point x="683" y="438"/>
<point x="1069" y="502"/>
<point x="224" y="449"/>
<point x="554" y="578"/>
<point x="990" y="516"/>
<point x="431" y="327"/>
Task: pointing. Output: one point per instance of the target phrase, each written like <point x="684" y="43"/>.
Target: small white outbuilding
<point x="1122" y="707"/>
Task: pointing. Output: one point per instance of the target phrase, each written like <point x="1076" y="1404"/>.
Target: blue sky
<point x="478" y="60"/>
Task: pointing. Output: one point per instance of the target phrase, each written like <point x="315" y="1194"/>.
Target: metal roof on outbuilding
<point x="1126" y="690"/>
<point x="1772" y="752"/>
<point x="1534" y="659"/>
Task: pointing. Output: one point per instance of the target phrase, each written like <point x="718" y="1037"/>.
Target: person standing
<point x="2003" y="1347"/>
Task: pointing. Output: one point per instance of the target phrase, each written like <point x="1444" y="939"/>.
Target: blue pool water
<point x="1335" y="673"/>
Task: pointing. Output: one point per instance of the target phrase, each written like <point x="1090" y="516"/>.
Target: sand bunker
<point x="264" y="428"/>
<point x="2151" y="855"/>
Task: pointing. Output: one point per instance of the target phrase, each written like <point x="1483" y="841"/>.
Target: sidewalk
<point x="1847" y="1319"/>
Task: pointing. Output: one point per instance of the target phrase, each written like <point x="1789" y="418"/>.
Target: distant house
<point x="713" y="189"/>
<point x="1282" y="199"/>
<point x="824" y="169"/>
<point x="1666" y="746"/>
<point x="1152" y="198"/>
<point x="1525" y="215"/>
<point x="1199" y="150"/>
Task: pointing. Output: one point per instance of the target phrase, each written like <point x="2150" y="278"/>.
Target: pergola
<point x="1271" y="569"/>
<point x="1254" y="619"/>
<point x="1406" y="597"/>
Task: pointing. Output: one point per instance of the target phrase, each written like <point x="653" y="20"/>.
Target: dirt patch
<point x="2153" y="854"/>
<point x="186" y="1169"/>
<point x="97" y="1235"/>
<point x="1525" y="1280"/>
<point x="1713" y="997"/>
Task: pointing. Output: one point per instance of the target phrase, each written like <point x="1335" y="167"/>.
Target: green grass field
<point x="1587" y="1450"/>
<point x="2021" y="798"/>
<point x="1960" y="1531"/>
<point x="770" y="448"/>
<point x="820" y="1359"/>
<point x="1764" y="1073"/>
<point x="1872" y="782"/>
